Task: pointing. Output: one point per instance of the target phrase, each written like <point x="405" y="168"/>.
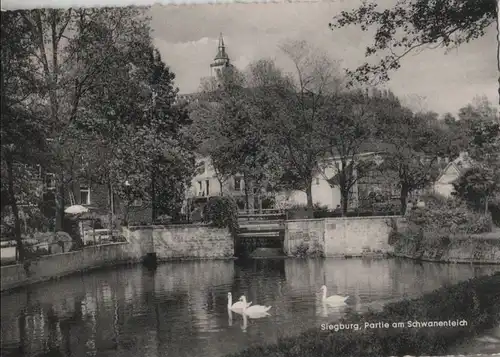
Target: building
<point x="99" y="199"/>
<point x="450" y="174"/>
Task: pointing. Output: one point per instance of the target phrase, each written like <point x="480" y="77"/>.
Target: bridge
<point x="260" y="229"/>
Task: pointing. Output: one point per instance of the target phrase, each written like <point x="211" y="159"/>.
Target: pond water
<point x="181" y="309"/>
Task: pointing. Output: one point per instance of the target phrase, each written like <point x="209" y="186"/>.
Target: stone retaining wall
<point x="347" y="236"/>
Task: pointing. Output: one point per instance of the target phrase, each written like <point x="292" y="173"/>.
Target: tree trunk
<point x="246" y="193"/>
<point x="59" y="197"/>
<point x="403" y="197"/>
<point x="259" y="200"/>
<point x="220" y="185"/>
<point x="486" y="201"/>
<point x="251" y="196"/>
<point x="111" y="209"/>
<point x="153" y="195"/>
<point x="310" y="208"/>
<point x="344" y="190"/>
<point x="15" y="209"/>
<point x="344" y="204"/>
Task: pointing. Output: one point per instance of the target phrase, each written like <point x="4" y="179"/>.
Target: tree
<point x="22" y="130"/>
<point x="410" y="25"/>
<point x="138" y="132"/>
<point x="477" y="186"/>
<point x="414" y="143"/>
<point x="71" y="50"/>
<point x="227" y="129"/>
<point x="347" y="127"/>
<point x="480" y="124"/>
<point x="480" y="133"/>
<point x="290" y="108"/>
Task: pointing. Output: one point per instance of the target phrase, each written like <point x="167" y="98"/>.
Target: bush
<point x="304" y="250"/>
<point x="441" y="219"/>
<point x="383" y="208"/>
<point x="450" y="217"/>
<point x="268" y="202"/>
<point x="222" y="212"/>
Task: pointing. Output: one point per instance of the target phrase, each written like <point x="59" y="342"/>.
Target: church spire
<point x="221" y="60"/>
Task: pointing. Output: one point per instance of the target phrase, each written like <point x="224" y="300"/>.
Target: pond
<point x="181" y="308"/>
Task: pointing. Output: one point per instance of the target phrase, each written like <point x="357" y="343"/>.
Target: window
<point x="200" y="187"/>
<point x="85" y="194"/>
<point x="208" y="187"/>
<point x="317" y="181"/>
<point x="237" y="184"/>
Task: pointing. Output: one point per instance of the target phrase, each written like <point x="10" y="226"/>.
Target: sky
<point x="434" y="79"/>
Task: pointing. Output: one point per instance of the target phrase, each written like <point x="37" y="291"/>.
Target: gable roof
<point x="460" y="164"/>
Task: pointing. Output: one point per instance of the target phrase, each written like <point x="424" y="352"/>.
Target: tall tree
<point x="409" y="25"/>
<point x="479" y="131"/>
<point x="72" y="50"/>
<point x="347" y="128"/>
<point x="228" y="131"/>
<point x="22" y="128"/>
<point x="292" y="106"/>
<point x="414" y="144"/>
<point x="138" y="132"/>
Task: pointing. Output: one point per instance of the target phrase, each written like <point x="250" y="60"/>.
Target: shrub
<point x="222" y="212"/>
<point x="320" y="211"/>
<point x="304" y="250"/>
<point x="386" y="207"/>
<point x="451" y="217"/>
<point x="268" y="202"/>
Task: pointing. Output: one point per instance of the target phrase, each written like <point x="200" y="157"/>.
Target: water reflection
<point x="180" y="309"/>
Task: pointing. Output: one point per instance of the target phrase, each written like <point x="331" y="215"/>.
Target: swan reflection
<point x="230" y="317"/>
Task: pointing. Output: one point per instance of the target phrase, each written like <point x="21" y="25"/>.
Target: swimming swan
<point x="254" y="311"/>
<point x="237" y="306"/>
<point x="334" y="299"/>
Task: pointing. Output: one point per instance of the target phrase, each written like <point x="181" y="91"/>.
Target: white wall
<point x="444" y="185"/>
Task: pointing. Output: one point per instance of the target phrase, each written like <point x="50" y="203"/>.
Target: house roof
<point x="460" y="164"/>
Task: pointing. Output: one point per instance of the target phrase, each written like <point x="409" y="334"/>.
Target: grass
<point x="477" y="301"/>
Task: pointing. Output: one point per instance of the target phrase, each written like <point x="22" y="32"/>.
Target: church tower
<point x="221" y="60"/>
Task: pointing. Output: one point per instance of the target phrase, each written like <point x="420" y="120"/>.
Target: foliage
<point x="411" y="25"/>
<point x="227" y="131"/>
<point x="413" y="144"/>
<point x="348" y="124"/>
<point x="446" y="219"/>
<point x="73" y="52"/>
<point x="306" y="250"/>
<point x="142" y="139"/>
<point x="22" y="130"/>
<point x="290" y="110"/>
<point x="87" y="97"/>
<point x="479" y="132"/>
<point x="476" y="301"/>
<point x="476" y="186"/>
<point x="221" y="212"/>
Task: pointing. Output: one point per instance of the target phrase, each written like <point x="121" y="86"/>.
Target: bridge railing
<point x="264" y="214"/>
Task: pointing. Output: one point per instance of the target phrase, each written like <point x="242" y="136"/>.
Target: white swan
<point x="237" y="306"/>
<point x="254" y="311"/>
<point x="334" y="299"/>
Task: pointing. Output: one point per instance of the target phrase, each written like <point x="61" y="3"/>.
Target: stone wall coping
<point x="342" y="218"/>
<point x="50" y="256"/>
<point x="167" y="226"/>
